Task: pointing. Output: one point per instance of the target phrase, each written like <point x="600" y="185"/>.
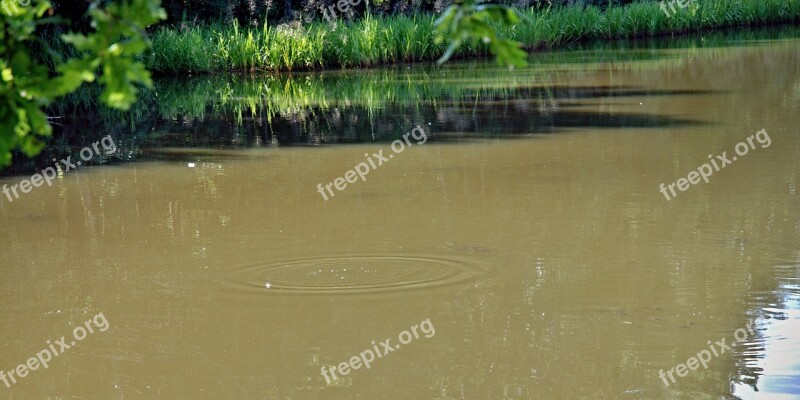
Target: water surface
<point x="529" y="229"/>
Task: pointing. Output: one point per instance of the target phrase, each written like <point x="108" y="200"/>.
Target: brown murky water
<point x="549" y="265"/>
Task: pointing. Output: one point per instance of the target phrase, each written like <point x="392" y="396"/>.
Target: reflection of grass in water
<point x="231" y="111"/>
<point x="381" y="40"/>
<point x="457" y="83"/>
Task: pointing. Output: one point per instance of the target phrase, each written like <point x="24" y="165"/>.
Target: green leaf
<point x="449" y="53"/>
<point x="81" y="42"/>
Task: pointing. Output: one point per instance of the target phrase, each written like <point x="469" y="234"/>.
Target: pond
<point x="584" y="227"/>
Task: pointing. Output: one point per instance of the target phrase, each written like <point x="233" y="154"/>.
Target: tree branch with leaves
<point x="471" y="21"/>
<point x="110" y="55"/>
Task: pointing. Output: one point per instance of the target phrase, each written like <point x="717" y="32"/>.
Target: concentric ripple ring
<point x="355" y="274"/>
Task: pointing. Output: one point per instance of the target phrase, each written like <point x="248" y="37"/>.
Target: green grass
<point x="369" y="41"/>
<point x="385" y="40"/>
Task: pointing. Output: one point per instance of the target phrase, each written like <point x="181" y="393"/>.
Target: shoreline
<point x="382" y="41"/>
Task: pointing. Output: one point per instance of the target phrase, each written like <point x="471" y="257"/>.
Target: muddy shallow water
<point x="528" y="231"/>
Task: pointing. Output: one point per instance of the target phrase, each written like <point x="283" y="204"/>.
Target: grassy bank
<point x="383" y="40"/>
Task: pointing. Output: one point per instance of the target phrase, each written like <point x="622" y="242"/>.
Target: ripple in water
<point x="356" y="274"/>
